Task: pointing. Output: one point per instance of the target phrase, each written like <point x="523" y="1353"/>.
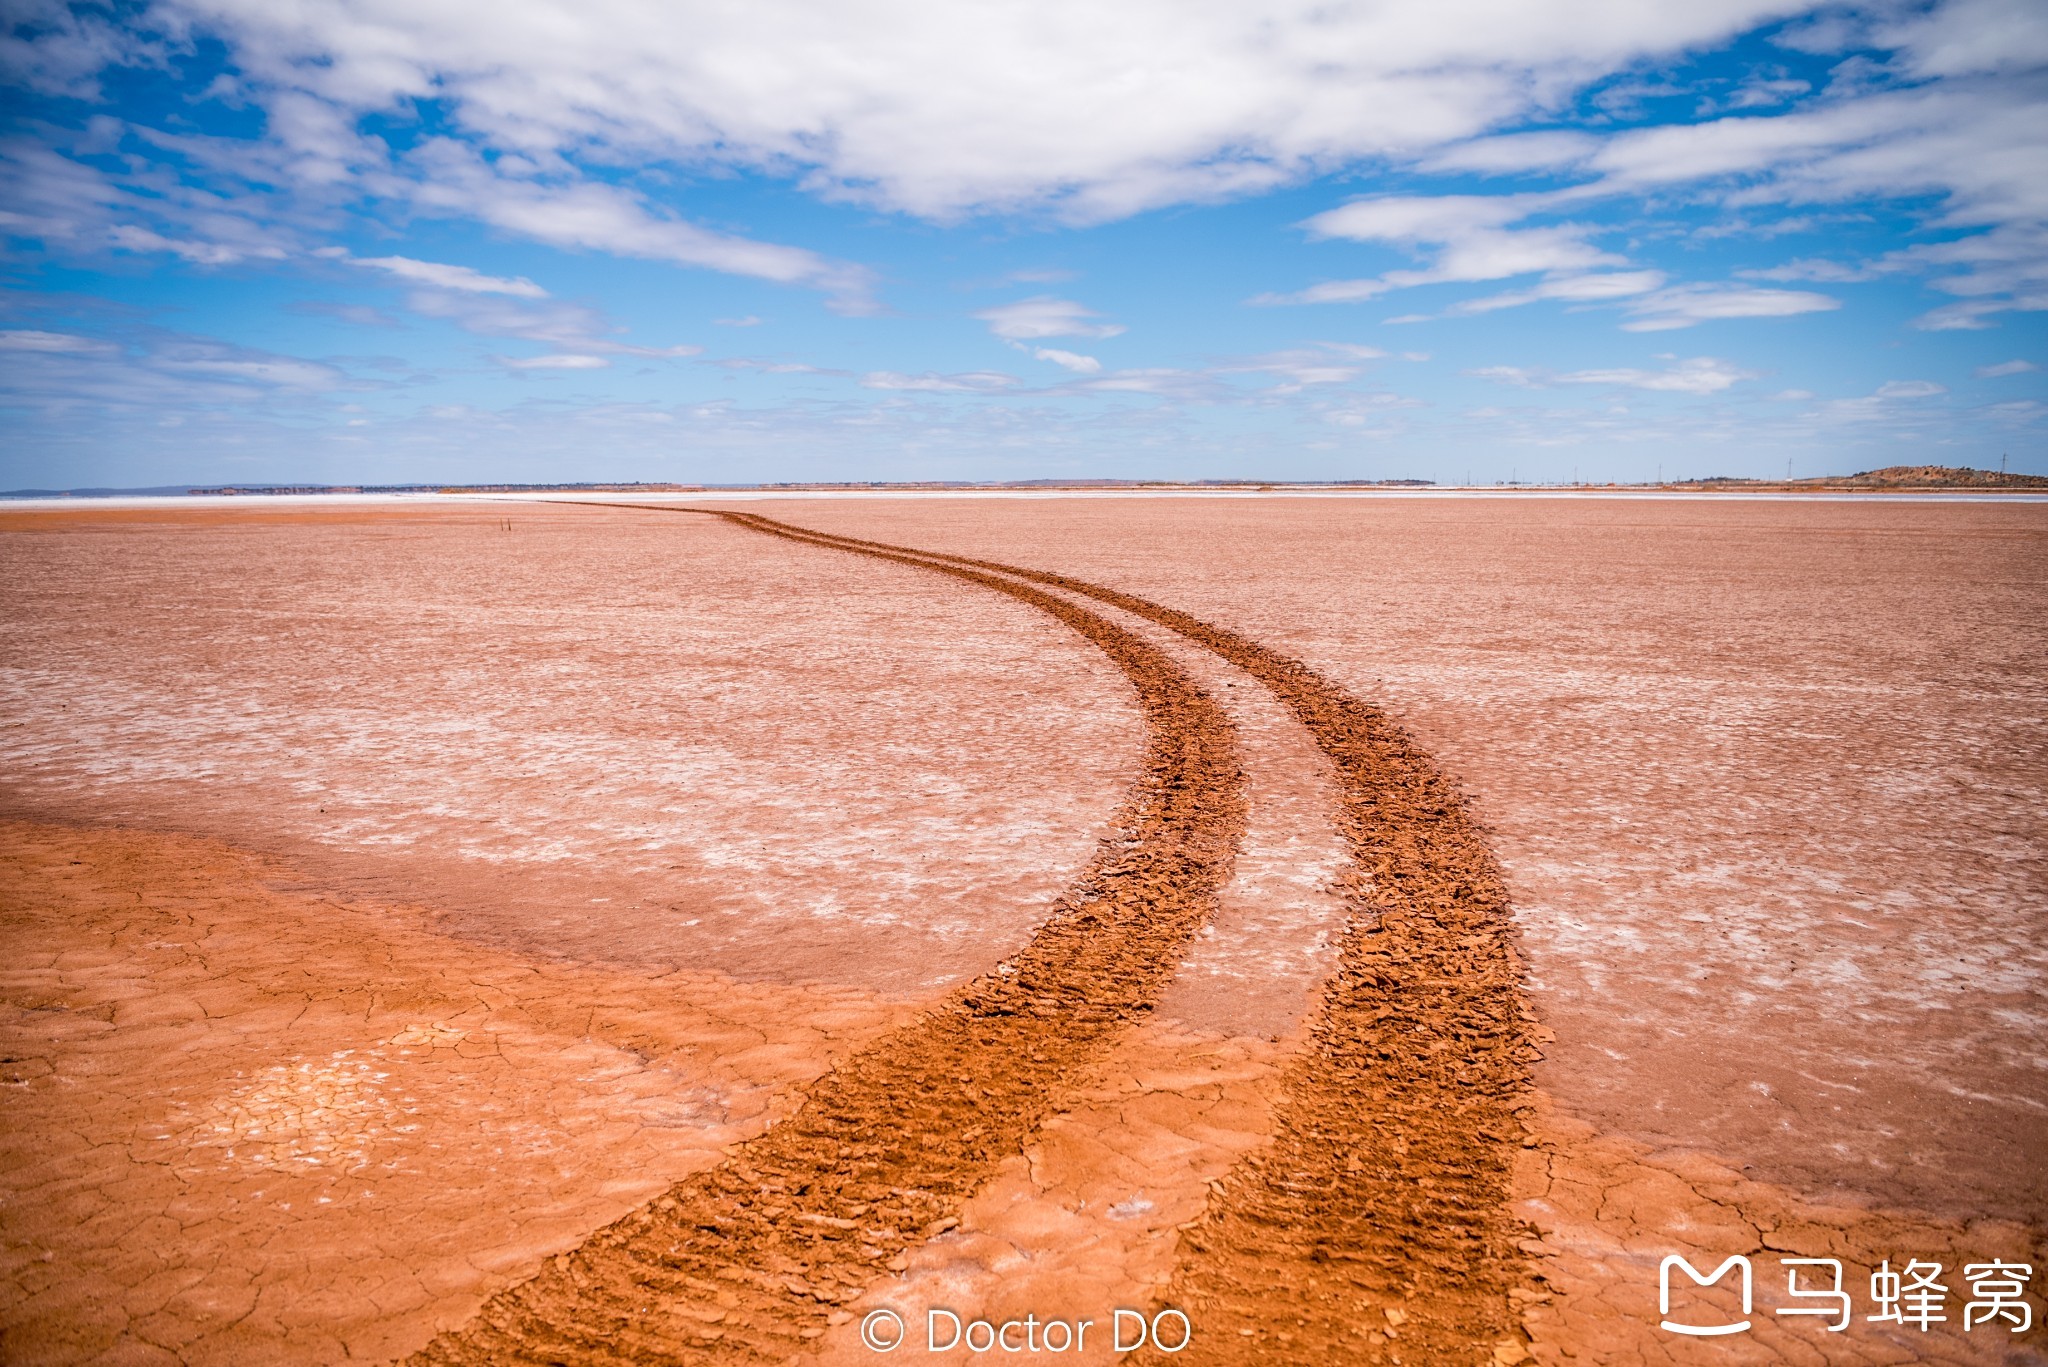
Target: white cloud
<point x="129" y="237"/>
<point x="168" y="377"/>
<point x="1580" y="289"/>
<point x="1044" y="316"/>
<point x="1686" y="305"/>
<point x="973" y="382"/>
<point x="1163" y="381"/>
<point x="458" y="278"/>
<point x="557" y="361"/>
<point x="2005" y="368"/>
<point x="1074" y="361"/>
<point x="1333" y="292"/>
<point x="1095" y="111"/>
<point x="1465" y="234"/>
<point x="1972" y="315"/>
<point x="281" y="371"/>
<point x="1971" y="146"/>
<point x="1508" y="374"/>
<point x="749" y="321"/>
<point x="1514" y="153"/>
<point x="1815" y="269"/>
<point x="1970" y="37"/>
<point x="59" y="343"/>
<point x="1891" y="403"/>
<point x="70" y="49"/>
<point x="762" y="366"/>
<point x="1083" y="111"/>
<point x="1699" y="375"/>
<point x="1303" y="367"/>
<point x="575" y="328"/>
<point x="574" y="212"/>
<point x="1420" y="218"/>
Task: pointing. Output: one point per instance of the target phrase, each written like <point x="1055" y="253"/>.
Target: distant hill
<point x="1900" y="477"/>
<point x="1940" y="477"/>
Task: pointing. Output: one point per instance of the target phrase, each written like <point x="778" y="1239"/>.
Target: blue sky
<point x="395" y="241"/>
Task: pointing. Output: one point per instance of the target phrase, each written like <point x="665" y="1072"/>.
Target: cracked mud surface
<point x="1606" y="1211"/>
<point x="1774" y="878"/>
<point x="648" y="744"/>
<point x="1765" y="781"/>
<point x="245" y="1125"/>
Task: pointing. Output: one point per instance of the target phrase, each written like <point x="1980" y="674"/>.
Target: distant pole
<point x="2001" y="462"/>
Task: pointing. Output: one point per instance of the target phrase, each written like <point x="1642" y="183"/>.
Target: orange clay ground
<point x="395" y="901"/>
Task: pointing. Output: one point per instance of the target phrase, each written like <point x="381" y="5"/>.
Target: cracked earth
<point x="261" y="1107"/>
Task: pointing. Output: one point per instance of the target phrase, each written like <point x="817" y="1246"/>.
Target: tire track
<point x="750" y="1261"/>
<point x="1376" y="1223"/>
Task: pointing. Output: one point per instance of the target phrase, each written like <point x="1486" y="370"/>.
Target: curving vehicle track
<point x="748" y="1261"/>
<point x="1381" y="1199"/>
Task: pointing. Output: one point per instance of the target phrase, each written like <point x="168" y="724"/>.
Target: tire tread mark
<point x="750" y="1260"/>
<point x="1386" y="1182"/>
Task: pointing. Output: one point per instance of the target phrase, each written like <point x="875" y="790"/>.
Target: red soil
<point x="1764" y="780"/>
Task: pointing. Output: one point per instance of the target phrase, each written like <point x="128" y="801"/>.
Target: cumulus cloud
<point x="1969" y="37"/>
<point x="1074" y="361"/>
<point x="1043" y="316"/>
<point x="57" y="49"/>
<point x="1968" y="145"/>
<point x="1081" y="111"/>
<point x="1092" y="111"/>
<point x="2005" y="368"/>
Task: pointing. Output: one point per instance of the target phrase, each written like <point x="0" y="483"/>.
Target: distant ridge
<point x="1944" y="477"/>
<point x="1899" y="477"/>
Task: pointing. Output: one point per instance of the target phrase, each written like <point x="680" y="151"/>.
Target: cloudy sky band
<point x="337" y="240"/>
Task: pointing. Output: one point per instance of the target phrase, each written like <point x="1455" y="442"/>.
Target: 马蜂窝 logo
<point x="1701" y="1330"/>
